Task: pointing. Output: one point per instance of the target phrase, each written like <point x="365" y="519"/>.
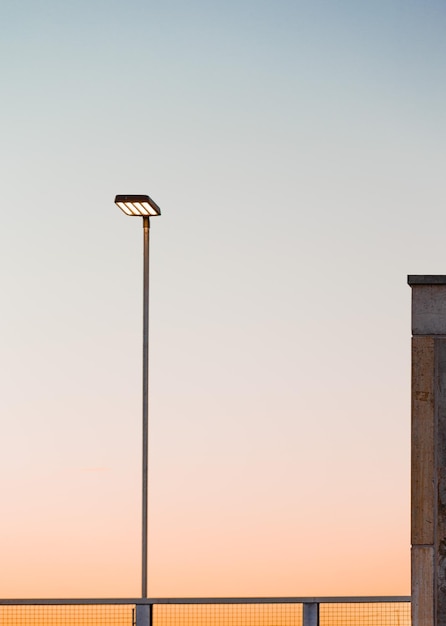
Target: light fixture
<point x="140" y="206"/>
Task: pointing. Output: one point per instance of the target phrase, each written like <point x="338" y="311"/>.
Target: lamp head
<point x="141" y="206"/>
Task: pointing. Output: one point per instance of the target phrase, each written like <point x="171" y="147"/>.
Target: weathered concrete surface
<point x="423" y="591"/>
<point x="423" y="366"/>
<point x="428" y="306"/>
<point x="440" y="479"/>
<point x="428" y="530"/>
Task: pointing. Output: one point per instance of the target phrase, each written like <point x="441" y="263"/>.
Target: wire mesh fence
<point x="283" y="614"/>
<point x="210" y="612"/>
<point x="67" y="615"/>
<point x="365" y="614"/>
<point x="228" y="615"/>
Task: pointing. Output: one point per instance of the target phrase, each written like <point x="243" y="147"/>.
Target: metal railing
<point x="295" y="611"/>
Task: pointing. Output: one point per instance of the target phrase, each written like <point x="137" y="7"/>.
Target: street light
<point x="141" y="206"/>
<point x="145" y="207"/>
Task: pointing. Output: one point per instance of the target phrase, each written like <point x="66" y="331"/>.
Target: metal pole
<point x="145" y="404"/>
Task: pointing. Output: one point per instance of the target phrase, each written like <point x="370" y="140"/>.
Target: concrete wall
<point x="428" y="525"/>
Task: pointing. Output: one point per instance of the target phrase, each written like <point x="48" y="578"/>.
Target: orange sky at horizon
<point x="264" y="552"/>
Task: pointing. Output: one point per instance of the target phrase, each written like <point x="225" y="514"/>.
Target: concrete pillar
<point x="428" y="524"/>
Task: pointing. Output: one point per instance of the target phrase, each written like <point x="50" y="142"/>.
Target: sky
<point x="296" y="149"/>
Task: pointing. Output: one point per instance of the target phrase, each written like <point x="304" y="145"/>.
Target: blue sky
<point x="297" y="152"/>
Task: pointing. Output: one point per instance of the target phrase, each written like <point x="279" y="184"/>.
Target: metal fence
<point x="323" y="611"/>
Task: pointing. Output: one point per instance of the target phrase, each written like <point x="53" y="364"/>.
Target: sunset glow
<point x="296" y="149"/>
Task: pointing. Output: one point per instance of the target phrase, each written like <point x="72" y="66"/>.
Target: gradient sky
<point x="297" y="151"/>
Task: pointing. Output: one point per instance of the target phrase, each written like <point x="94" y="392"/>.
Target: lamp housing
<point x="138" y="205"/>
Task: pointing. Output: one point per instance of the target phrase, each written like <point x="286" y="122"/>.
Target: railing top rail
<point x="234" y="600"/>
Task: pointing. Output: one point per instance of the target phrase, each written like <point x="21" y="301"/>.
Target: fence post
<point x="144" y="614"/>
<point x="311" y="614"/>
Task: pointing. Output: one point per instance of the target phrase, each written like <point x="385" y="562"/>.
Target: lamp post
<point x="145" y="207"/>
